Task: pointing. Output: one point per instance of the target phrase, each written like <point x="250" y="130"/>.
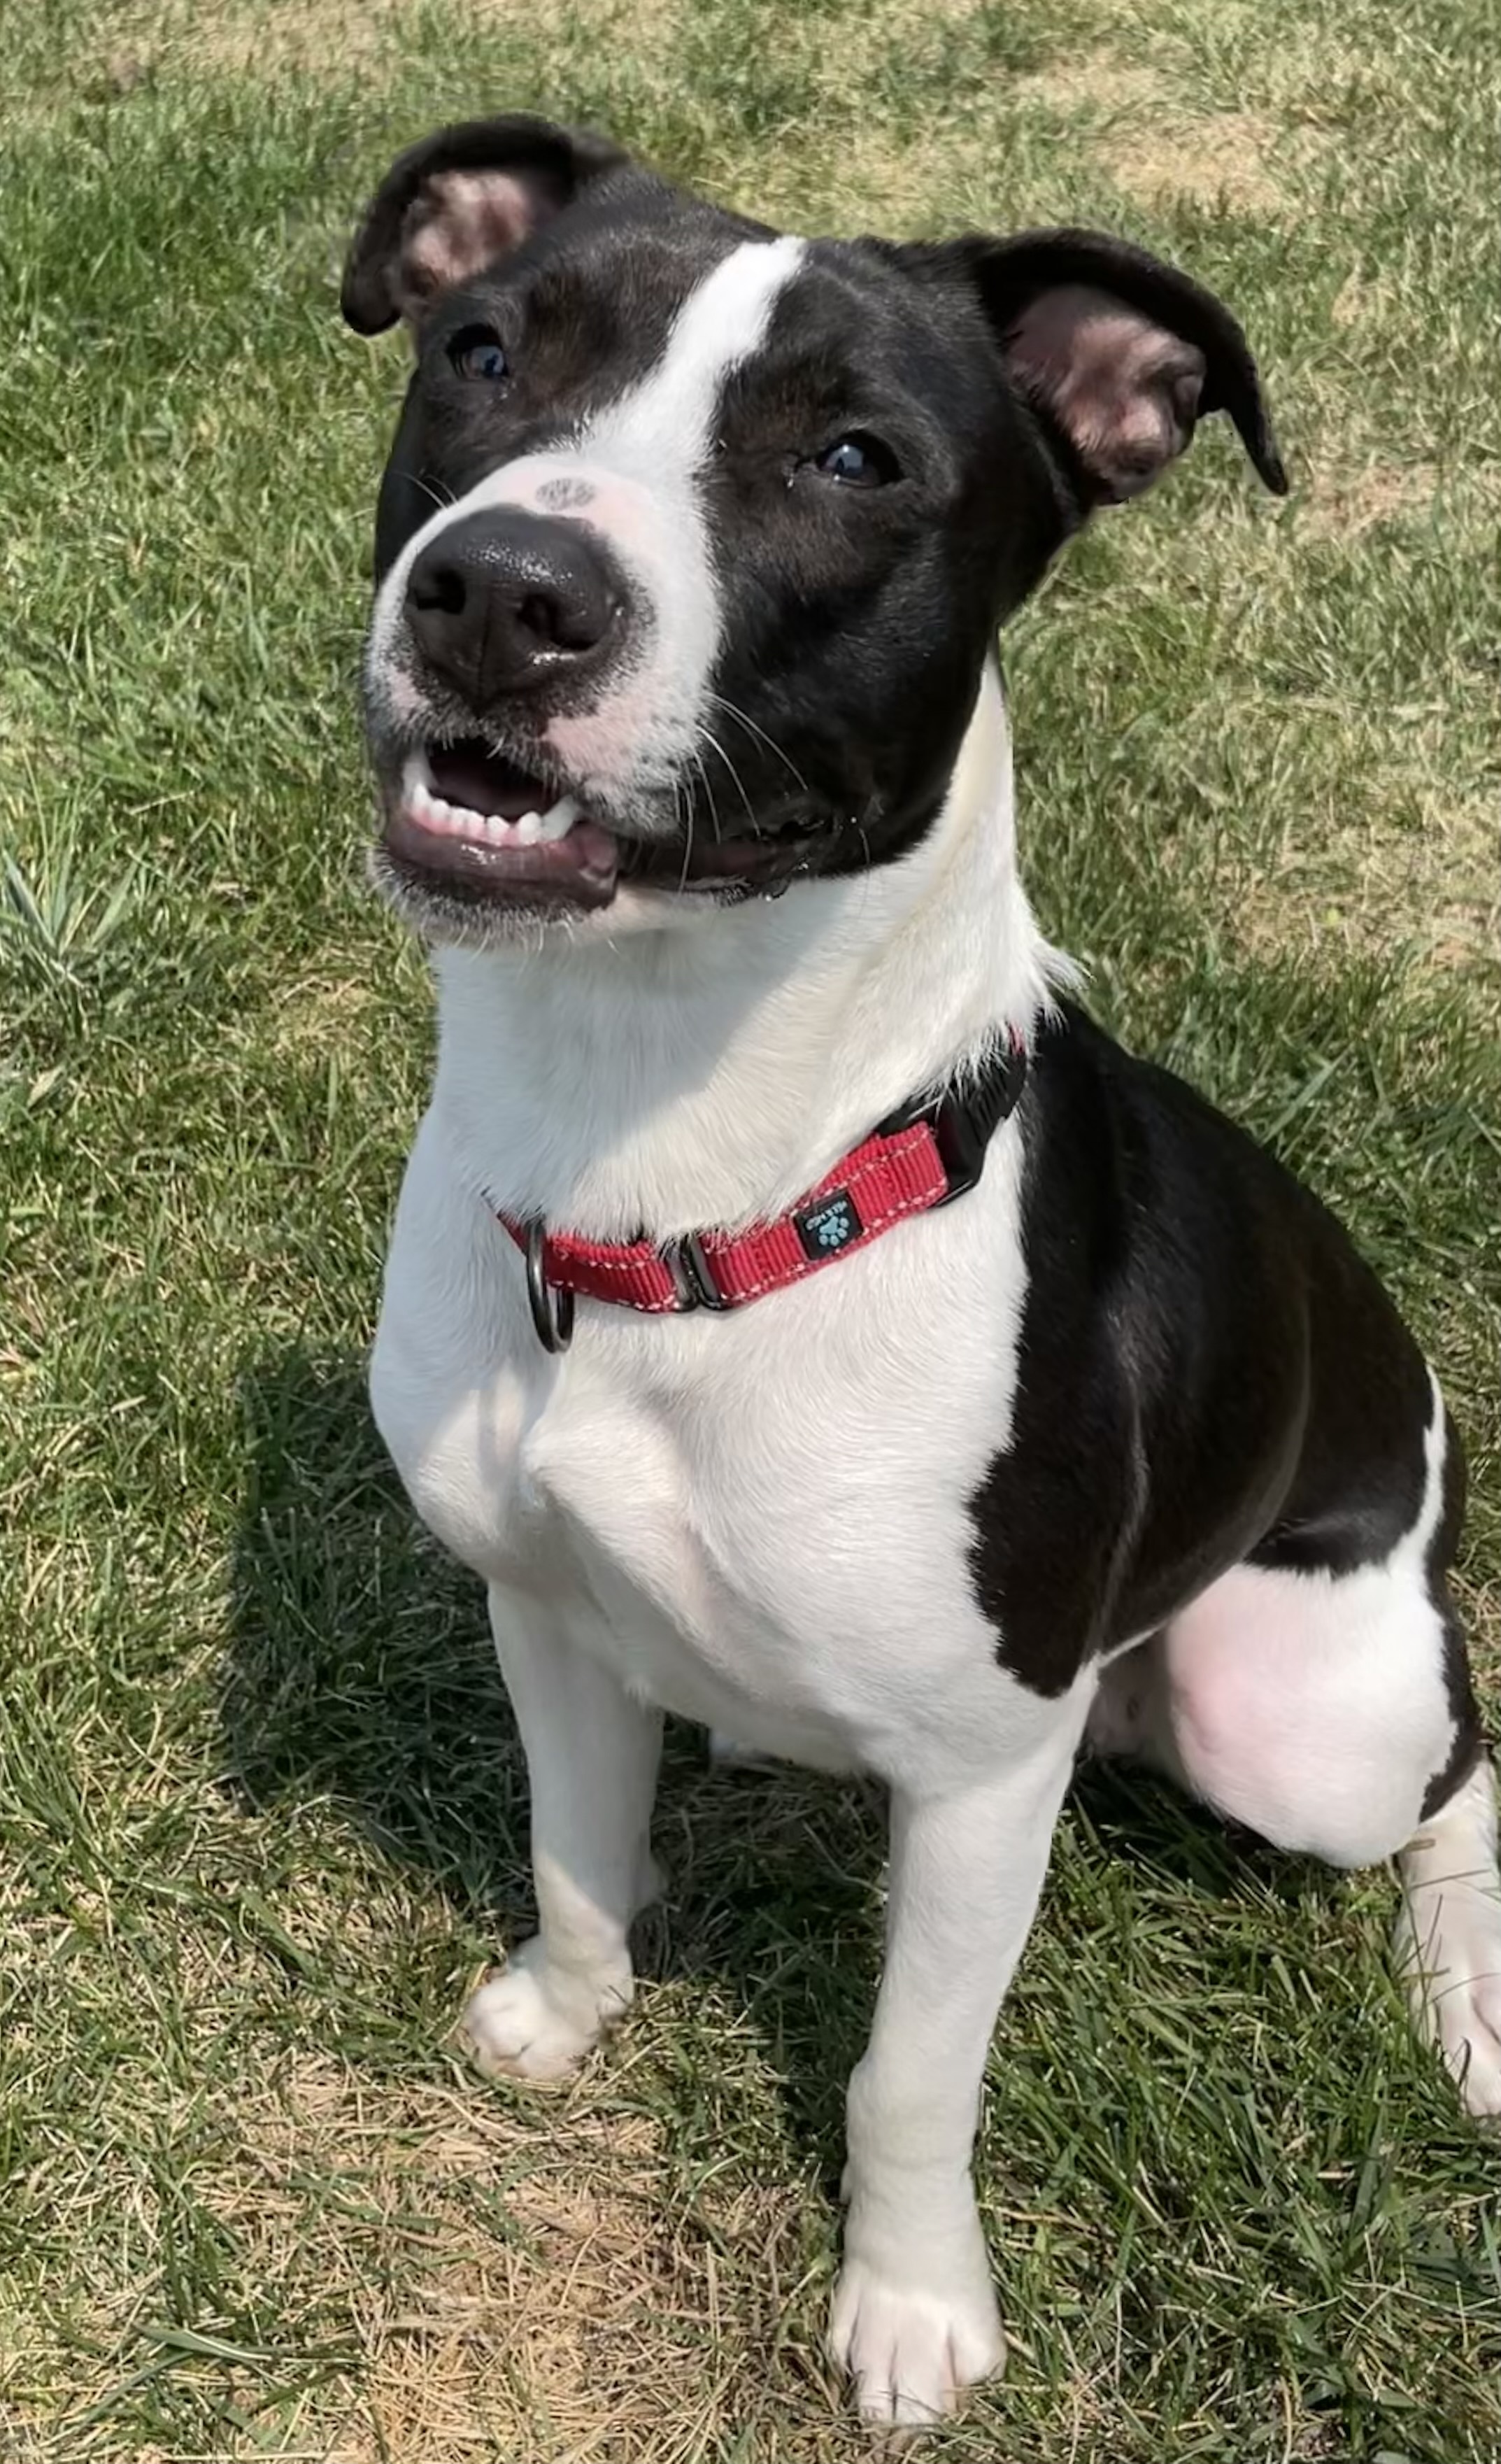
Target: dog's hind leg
<point x="1448" y="1937"/>
<point x="1334" y="1714"/>
<point x="1259" y="1720"/>
<point x="592" y="1755"/>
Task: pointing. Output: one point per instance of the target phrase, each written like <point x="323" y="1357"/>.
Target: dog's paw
<point x="1453" y="1976"/>
<point x="534" y="2022"/>
<point x="912" y="2350"/>
<point x="1464" y="2021"/>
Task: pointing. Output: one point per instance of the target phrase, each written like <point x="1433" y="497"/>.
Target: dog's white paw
<point x="1449" y="1941"/>
<point x="911" y="2350"/>
<point x="534" y="2022"/>
<point x="1470" y="2034"/>
<point x="1464" y="2020"/>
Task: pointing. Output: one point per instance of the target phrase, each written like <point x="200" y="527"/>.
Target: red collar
<point x="922" y="1157"/>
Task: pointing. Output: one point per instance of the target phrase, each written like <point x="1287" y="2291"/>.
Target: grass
<point x="261" y="1811"/>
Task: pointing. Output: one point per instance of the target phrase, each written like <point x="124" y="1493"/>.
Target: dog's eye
<point x="478" y="352"/>
<point x="858" y="461"/>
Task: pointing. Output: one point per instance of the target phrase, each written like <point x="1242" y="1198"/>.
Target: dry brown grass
<point x="238" y="37"/>
<point x="318" y="1015"/>
<point x="1414" y="878"/>
<point x="503" y="2289"/>
<point x="1144" y="121"/>
<point x="1098" y="82"/>
<point x="132" y="43"/>
<point x="1341" y="502"/>
<point x="1230" y="159"/>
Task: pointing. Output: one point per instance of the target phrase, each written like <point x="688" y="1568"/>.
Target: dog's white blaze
<point x="662" y="432"/>
<point x="654" y="442"/>
<point x="640" y="458"/>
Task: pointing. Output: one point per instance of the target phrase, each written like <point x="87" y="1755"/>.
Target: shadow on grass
<point x="361" y="1677"/>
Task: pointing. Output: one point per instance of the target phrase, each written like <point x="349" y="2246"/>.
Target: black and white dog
<point x="693" y="769"/>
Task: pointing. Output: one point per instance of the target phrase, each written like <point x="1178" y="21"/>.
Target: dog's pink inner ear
<point x="1124" y="391"/>
<point x="460" y="223"/>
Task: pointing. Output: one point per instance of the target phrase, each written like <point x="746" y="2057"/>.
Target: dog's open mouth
<point x="467" y="819"/>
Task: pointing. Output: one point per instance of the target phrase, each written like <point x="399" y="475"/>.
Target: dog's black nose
<point x="505" y="602"/>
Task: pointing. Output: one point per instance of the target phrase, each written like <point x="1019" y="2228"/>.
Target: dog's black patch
<point x="1180" y="1283"/>
<point x="1470" y="1741"/>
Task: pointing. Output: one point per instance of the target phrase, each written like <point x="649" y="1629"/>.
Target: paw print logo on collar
<point x="830" y="1224"/>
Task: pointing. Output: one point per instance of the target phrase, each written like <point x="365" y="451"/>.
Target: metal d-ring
<point x="552" y="1304"/>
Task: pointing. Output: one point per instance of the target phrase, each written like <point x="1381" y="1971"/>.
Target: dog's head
<point x="695" y="538"/>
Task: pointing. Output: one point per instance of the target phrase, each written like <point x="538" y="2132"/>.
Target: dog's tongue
<point x="470" y="774"/>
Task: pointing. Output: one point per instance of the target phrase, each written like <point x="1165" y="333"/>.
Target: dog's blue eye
<point x="857" y="462"/>
<point x="477" y="353"/>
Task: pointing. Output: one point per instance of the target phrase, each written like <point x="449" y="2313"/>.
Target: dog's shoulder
<point x="1187" y="1302"/>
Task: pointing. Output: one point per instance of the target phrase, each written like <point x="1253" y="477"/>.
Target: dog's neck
<point x="710" y="1074"/>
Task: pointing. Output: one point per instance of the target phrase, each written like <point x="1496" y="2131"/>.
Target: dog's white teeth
<point x="434" y="812"/>
<point x="559" y="819"/>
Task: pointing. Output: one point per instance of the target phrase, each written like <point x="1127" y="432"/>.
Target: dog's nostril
<point x="438" y="588"/>
<point x="572" y="616"/>
<point x="543" y="617"/>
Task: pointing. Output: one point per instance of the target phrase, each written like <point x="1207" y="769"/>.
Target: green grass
<point x="261" y="1811"/>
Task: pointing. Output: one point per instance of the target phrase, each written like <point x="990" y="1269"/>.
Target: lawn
<point x="261" y="1807"/>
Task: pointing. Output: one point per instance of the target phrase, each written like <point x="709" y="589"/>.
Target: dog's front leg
<point x="915" y="2317"/>
<point x="592" y="1755"/>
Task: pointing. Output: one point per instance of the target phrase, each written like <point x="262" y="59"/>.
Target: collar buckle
<point x="962" y="1124"/>
<point x="962" y="1141"/>
<point x="693" y="1277"/>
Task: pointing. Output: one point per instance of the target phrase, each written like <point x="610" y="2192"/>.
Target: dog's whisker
<point x="697" y="759"/>
<point x="715" y="746"/>
<point x="683" y="816"/>
<point x="444" y="501"/>
<point x="734" y="711"/>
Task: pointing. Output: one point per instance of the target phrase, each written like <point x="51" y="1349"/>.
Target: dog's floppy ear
<point x="1117" y="353"/>
<point x="457" y="201"/>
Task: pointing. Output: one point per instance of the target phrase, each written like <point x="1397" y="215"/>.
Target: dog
<point x="800" y="1317"/>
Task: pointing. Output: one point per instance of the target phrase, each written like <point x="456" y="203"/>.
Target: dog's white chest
<point x="760" y="1520"/>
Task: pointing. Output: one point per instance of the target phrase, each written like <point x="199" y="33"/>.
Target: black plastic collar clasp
<point x="962" y="1124"/>
<point x="962" y="1142"/>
